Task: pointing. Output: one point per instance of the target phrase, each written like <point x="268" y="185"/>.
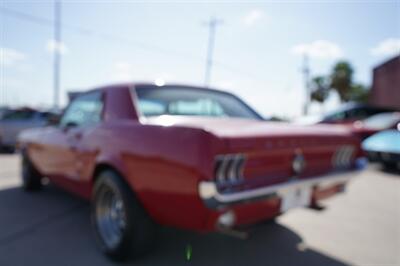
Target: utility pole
<point x="306" y="77"/>
<point x="212" y="25"/>
<point x="57" y="52"/>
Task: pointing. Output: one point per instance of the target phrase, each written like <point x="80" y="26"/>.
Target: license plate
<point x="294" y="197"/>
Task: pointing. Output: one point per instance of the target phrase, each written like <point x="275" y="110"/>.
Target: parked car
<point x="3" y="111"/>
<point x="182" y="156"/>
<point x="376" y="123"/>
<point x="14" y="121"/>
<point x="384" y="147"/>
<point x="350" y="113"/>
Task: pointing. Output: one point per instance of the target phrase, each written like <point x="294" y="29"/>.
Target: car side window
<point x="84" y="110"/>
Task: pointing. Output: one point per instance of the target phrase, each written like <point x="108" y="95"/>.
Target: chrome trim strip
<point x="229" y="168"/>
<point x="213" y="198"/>
<point x="232" y="167"/>
<point x="241" y="166"/>
<point x="221" y="170"/>
<point x="349" y="155"/>
<point x="335" y="157"/>
<point x="342" y="156"/>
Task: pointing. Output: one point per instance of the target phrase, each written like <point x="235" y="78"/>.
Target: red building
<point x="385" y="90"/>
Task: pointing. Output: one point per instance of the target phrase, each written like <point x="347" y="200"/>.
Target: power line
<point x="87" y="31"/>
<point x="210" y="62"/>
<point x="25" y="16"/>
<point x="235" y="70"/>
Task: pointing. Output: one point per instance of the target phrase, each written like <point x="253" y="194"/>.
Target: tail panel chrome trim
<point x="214" y="199"/>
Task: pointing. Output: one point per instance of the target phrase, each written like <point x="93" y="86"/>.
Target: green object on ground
<point x="188" y="252"/>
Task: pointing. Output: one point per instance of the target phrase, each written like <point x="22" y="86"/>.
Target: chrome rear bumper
<point x="213" y="199"/>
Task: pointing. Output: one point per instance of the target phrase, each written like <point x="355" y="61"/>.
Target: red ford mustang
<point x="183" y="156"/>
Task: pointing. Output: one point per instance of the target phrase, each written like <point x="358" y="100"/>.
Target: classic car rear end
<point x="297" y="171"/>
<point x="186" y="157"/>
<point x="259" y="169"/>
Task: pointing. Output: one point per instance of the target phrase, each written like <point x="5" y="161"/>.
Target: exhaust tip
<point x="226" y="220"/>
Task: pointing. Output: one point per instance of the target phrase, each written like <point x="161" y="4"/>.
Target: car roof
<point x="152" y="85"/>
<point x="168" y="85"/>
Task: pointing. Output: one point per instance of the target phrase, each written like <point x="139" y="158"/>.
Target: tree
<point x="358" y="93"/>
<point x="320" y="89"/>
<point x="342" y="80"/>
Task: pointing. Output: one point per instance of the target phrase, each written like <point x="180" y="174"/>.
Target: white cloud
<point x="9" y="57"/>
<point x="388" y="47"/>
<point x="318" y="49"/>
<point x="252" y="17"/>
<point x="54" y="46"/>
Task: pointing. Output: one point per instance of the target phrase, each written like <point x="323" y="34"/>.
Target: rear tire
<point x="122" y="227"/>
<point x="31" y="178"/>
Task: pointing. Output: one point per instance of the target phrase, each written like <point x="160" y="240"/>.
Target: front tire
<point x="122" y="227"/>
<point x="31" y="178"/>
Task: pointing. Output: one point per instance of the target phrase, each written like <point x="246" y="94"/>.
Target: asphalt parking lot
<point x="360" y="227"/>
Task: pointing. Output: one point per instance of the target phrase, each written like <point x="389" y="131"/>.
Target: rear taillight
<point x="343" y="156"/>
<point x="229" y="168"/>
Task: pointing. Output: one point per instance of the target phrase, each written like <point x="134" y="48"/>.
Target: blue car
<point x="384" y="147"/>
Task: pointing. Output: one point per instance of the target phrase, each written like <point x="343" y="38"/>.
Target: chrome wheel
<point x="122" y="227"/>
<point x="110" y="216"/>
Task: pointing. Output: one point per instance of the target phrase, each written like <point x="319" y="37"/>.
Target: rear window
<point x="170" y="100"/>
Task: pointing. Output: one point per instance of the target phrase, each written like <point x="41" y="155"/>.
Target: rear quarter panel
<point x="163" y="166"/>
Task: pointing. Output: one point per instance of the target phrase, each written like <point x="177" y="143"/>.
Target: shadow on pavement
<point x="6" y="151"/>
<point x="52" y="228"/>
<point x="390" y="170"/>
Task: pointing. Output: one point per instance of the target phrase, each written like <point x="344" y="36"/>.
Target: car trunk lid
<point x="262" y="152"/>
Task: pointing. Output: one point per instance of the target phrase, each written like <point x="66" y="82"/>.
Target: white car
<point x="13" y="122"/>
<point x="3" y="111"/>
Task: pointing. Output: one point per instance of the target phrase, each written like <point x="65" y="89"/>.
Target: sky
<point x="258" y="53"/>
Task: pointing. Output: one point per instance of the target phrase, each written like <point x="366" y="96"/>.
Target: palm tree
<point x="342" y="80"/>
<point x="320" y="89"/>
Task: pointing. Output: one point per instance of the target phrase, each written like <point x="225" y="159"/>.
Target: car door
<point x="64" y="146"/>
<point x="85" y="119"/>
